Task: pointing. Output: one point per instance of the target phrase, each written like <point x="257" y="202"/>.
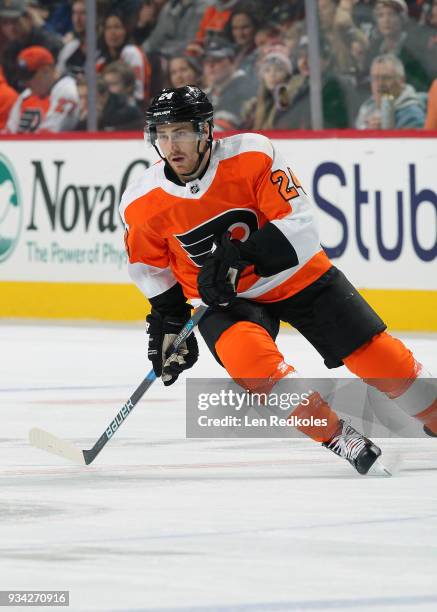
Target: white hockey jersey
<point x="57" y="112"/>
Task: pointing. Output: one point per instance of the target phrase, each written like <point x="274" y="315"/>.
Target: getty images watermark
<point x="220" y="408"/>
<point x="242" y="401"/>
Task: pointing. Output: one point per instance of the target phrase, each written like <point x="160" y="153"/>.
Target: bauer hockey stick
<point x="52" y="444"/>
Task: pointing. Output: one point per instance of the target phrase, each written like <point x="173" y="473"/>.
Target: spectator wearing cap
<point x="177" y="25"/>
<point x="8" y="96"/>
<point x="184" y="70"/>
<point x="116" y="44"/>
<point x="396" y="35"/>
<point x="72" y="56"/>
<point x="241" y="30"/>
<point x="431" y="115"/>
<point x="275" y="71"/>
<point x="226" y="87"/>
<point x="387" y="77"/>
<point x="19" y="31"/>
<point x="48" y="104"/>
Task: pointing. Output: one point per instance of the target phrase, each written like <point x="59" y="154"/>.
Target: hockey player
<point x="229" y="222"/>
<point x="47" y="104"/>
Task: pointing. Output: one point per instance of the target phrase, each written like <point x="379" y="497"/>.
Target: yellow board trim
<point x="406" y="310"/>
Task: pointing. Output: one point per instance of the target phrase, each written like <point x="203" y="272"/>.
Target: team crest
<point x="199" y="241"/>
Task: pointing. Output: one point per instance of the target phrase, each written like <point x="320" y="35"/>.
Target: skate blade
<point x="379" y="469"/>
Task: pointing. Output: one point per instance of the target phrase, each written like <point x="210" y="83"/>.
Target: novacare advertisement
<point x="376" y="200"/>
<point x="59" y="217"/>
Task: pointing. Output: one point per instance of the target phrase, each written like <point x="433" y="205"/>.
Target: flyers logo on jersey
<point x="30" y="120"/>
<point x="198" y="242"/>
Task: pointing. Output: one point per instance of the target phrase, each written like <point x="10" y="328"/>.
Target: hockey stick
<point x="52" y="444"/>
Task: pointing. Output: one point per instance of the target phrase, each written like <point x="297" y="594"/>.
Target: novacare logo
<point x="11" y="210"/>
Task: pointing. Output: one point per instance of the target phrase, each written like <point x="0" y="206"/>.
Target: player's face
<point x="178" y="143"/>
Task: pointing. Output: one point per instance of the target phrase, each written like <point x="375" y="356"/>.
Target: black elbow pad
<point x="269" y="250"/>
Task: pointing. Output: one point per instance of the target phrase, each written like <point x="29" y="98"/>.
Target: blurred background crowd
<point x="378" y="62"/>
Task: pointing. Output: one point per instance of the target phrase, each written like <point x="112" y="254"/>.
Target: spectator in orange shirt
<point x="431" y="115"/>
<point x="8" y="96"/>
<point x="49" y="103"/>
<point x="213" y="23"/>
<point x="215" y="19"/>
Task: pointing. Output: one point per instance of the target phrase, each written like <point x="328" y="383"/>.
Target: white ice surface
<point x="159" y="522"/>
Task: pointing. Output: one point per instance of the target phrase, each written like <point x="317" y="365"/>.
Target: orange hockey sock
<point x="387" y="364"/>
<point x="254" y="361"/>
<point x="251" y="357"/>
<point x="318" y="409"/>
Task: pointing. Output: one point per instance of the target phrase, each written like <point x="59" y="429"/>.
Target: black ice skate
<point x="348" y="443"/>
<point x="429" y="432"/>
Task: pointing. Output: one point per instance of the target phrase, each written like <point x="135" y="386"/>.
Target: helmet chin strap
<point x="198" y="163"/>
<point x="201" y="155"/>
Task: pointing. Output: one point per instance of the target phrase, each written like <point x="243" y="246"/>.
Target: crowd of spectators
<point x="378" y="62"/>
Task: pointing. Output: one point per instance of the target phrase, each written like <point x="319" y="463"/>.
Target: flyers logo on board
<point x="11" y="209"/>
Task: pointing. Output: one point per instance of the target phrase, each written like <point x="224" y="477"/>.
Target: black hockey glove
<point x="162" y="332"/>
<point x="217" y="281"/>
